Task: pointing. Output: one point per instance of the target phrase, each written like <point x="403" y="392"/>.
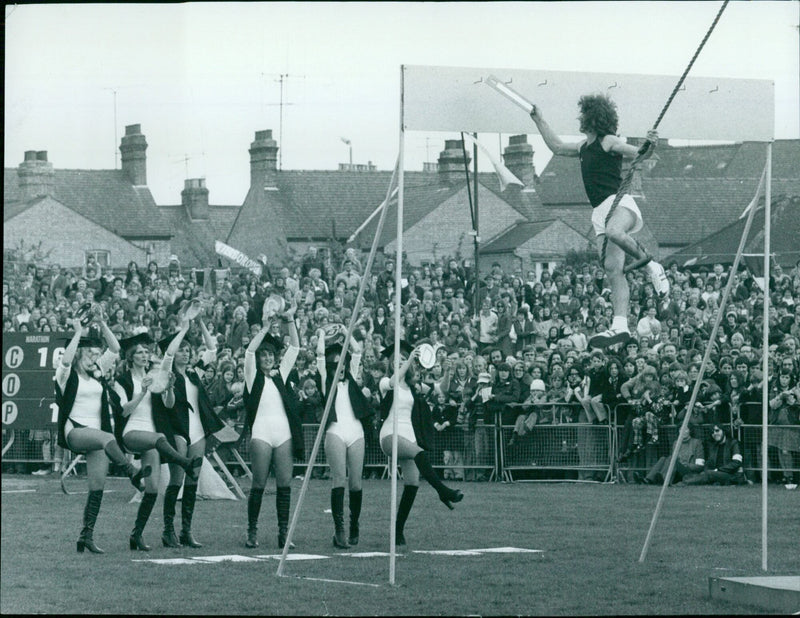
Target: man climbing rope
<point x="601" y="155"/>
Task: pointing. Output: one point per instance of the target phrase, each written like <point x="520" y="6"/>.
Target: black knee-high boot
<point x="253" y="509"/>
<point x="446" y="495"/>
<point x="169" y="538"/>
<point x="283" y="503"/>
<point x="171" y="456"/>
<point x="403" y="509"/>
<point x="187" y="511"/>
<point x="355" y="513"/>
<point x="145" y="508"/>
<point x="90" y="512"/>
<point x="337" y="509"/>
<point x="116" y="455"/>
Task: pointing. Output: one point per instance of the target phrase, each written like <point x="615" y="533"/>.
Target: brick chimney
<point x="263" y="160"/>
<point x="36" y="176"/>
<point x="194" y="198"/>
<point x="451" y="162"/>
<point x="134" y="159"/>
<point x="518" y="158"/>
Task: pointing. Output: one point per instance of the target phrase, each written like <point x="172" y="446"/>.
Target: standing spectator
<point x="488" y="323"/>
<point x="784" y="411"/>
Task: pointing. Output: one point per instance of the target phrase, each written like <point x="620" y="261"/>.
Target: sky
<point x="202" y="78"/>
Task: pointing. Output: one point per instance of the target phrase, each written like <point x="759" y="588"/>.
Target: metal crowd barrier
<point x="557" y="447"/>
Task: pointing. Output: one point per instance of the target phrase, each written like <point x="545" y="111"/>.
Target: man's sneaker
<point x="659" y="279"/>
<point x="609" y="337"/>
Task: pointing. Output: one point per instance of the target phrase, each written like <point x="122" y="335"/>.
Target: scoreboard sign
<point x="29" y="362"/>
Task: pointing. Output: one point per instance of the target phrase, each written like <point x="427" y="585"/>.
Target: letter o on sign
<point x="11" y="384"/>
<point x="10" y="412"/>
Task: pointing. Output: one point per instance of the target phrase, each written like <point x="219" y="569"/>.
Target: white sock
<point x="620" y="323"/>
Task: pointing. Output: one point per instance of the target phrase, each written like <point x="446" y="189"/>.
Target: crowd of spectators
<point x="504" y="351"/>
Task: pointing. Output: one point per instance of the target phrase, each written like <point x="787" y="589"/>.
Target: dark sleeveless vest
<point x="66" y="400"/>
<point x="361" y="408"/>
<point x="290" y="404"/>
<point x="421" y="418"/>
<point x="175" y="421"/>
<point x="601" y="171"/>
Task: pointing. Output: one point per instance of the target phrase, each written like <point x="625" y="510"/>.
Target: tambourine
<point x="191" y="310"/>
<point x="274" y="304"/>
<point x="427" y="355"/>
<point x="85" y="313"/>
<point x="160" y="379"/>
<point x="333" y="332"/>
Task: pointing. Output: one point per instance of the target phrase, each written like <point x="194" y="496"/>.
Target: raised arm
<point x="612" y="143"/>
<point x="553" y="141"/>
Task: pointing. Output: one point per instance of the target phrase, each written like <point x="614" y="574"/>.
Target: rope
<point x="648" y="146"/>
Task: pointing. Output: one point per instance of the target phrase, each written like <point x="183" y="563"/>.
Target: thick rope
<point x="648" y="146"/>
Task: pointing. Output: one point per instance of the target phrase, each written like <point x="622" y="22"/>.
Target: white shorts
<point x="600" y="213"/>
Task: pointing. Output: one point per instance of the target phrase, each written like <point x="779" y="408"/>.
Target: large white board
<point x="438" y="98"/>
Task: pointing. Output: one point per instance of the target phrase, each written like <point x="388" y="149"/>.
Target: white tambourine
<point x="274" y="304"/>
<point x="192" y="309"/>
<point x="427" y="355"/>
<point x="160" y="380"/>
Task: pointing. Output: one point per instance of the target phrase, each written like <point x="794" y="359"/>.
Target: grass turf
<point x="591" y="537"/>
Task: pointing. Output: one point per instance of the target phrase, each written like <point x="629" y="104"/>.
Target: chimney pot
<point x="518" y="158"/>
<point x="194" y="198"/>
<point x="36" y="176"/>
<point x="133" y="148"/>
<point x="451" y="162"/>
<point x="263" y="159"/>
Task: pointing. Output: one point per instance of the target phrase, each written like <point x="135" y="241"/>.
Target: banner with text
<point x="237" y="256"/>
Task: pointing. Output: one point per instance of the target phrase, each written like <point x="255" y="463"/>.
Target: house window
<point x="101" y="256"/>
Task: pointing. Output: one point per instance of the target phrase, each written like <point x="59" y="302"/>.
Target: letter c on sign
<point x="14" y="357"/>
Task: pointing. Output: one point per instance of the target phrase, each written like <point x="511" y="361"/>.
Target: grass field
<point x="590" y="537"/>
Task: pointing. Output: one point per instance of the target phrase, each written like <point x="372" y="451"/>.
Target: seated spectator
<point x="691" y="460"/>
<point x="723" y="461"/>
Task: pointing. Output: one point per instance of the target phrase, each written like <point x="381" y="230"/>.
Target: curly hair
<point x="598" y="114"/>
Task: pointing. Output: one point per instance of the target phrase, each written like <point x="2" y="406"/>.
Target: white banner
<point x="441" y="98"/>
<point x="237" y="256"/>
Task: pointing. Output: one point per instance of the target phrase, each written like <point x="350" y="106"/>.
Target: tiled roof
<point x="194" y="240"/>
<point x="682" y="211"/>
<point x="515" y="236"/>
<point x="722" y="245"/>
<point x="690" y="192"/>
<point x="105" y="197"/>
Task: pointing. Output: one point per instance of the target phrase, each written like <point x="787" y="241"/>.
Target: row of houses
<point x="685" y="193"/>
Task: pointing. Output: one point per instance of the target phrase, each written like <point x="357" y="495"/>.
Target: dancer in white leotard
<point x="276" y="432"/>
<point x="414" y="435"/>
<point x="344" y="438"/>
<point x="85" y="404"/>
<point x="136" y="428"/>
